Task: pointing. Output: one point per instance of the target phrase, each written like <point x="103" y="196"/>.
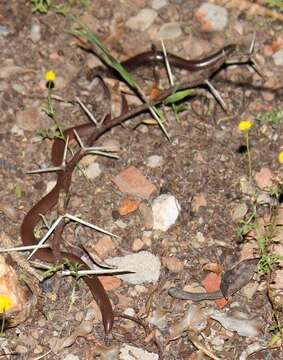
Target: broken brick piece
<point x="132" y="181"/>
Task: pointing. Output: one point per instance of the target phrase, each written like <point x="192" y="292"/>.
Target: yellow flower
<point x="245" y="125"/>
<point x="280" y="157"/>
<point x="50" y="75"/>
<point x="5" y="303"/>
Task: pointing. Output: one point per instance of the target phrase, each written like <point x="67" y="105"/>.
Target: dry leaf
<point x="195" y="319"/>
<point x="240" y="323"/>
<point x="8" y="210"/>
<point x="236" y="278"/>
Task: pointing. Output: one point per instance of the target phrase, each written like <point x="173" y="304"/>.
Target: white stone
<point x="165" y="210"/>
<point x="93" y="170"/>
<point x="170" y="31"/>
<point x="145" y="264"/>
<point x="129" y="352"/>
<point x="278" y="57"/>
<point x="158" y="4"/>
<point x="35" y="32"/>
<point x="71" y="357"/>
<point x="216" y="16"/>
<point x="15" y="130"/>
<point x="154" y="161"/>
<point x="143" y="20"/>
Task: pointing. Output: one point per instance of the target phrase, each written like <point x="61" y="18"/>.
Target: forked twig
<point x="70" y="217"/>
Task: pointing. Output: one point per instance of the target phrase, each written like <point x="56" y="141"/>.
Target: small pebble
<point x="30" y="119"/>
<point x="104" y="246"/>
<point x="154" y="161"/>
<point x="170" y="31"/>
<point x="173" y="264"/>
<point x="165" y="210"/>
<point x="93" y="170"/>
<point x="278" y="58"/>
<point x="137" y="245"/>
<point x="212" y="17"/>
<point x="143" y="20"/>
<point x="4" y="31"/>
<point x="158" y="4"/>
<point x="71" y="357"/>
<point x="129" y="352"/>
<point x="132" y="181"/>
<point x="147" y="215"/>
<point x="145" y="264"/>
<point x="35" y="33"/>
<point x="15" y="130"/>
<point x="239" y="211"/>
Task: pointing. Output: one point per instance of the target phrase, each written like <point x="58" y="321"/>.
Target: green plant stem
<point x="249" y="156"/>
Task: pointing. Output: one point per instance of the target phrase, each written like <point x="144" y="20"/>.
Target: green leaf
<point x="18" y="191"/>
<point x="107" y="57"/>
<point x="177" y="96"/>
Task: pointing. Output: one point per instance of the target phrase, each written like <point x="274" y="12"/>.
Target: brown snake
<point x="64" y="176"/>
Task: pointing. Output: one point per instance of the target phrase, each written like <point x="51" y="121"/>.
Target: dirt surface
<point x="204" y="158"/>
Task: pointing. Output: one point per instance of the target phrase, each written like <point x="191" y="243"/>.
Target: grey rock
<point x="170" y="31"/>
<point x="145" y="264"/>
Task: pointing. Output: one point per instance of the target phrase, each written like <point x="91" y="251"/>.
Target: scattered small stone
<point x="132" y="181"/>
<point x="158" y="4"/>
<point x="35" y="32"/>
<point x="154" y="161"/>
<point x="213" y="267"/>
<point x="198" y="201"/>
<point x="143" y="20"/>
<point x="158" y="318"/>
<point x="264" y="198"/>
<point x="165" y="210"/>
<point x="239" y="211"/>
<point x="93" y="170"/>
<point x="137" y="245"/>
<point x="198" y="240"/>
<point x="263" y="178"/>
<point x="79" y="316"/>
<point x="246" y="186"/>
<point x="278" y="57"/>
<point x="147" y="215"/>
<point x="195" y="47"/>
<point x="121" y="224"/>
<point x="20" y="349"/>
<point x="173" y="264"/>
<point x="4" y="31"/>
<point x="128" y="206"/>
<point x="15" y="130"/>
<point x="146" y="238"/>
<point x="145" y="264"/>
<point x="71" y="357"/>
<point x="249" y="290"/>
<point x="212" y="17"/>
<point x="129" y="352"/>
<point x="110" y="282"/>
<point x="104" y="246"/>
<point x="30" y="119"/>
<point x="170" y="31"/>
<point x="7" y="208"/>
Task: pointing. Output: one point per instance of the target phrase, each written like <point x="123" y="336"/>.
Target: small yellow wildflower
<point x="5" y="303"/>
<point x="50" y="75"/>
<point x="245" y="125"/>
<point x="280" y="157"/>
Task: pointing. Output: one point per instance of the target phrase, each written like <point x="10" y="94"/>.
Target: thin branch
<point x="71" y="217"/>
<point x="23" y="248"/>
<point x="90" y="115"/>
